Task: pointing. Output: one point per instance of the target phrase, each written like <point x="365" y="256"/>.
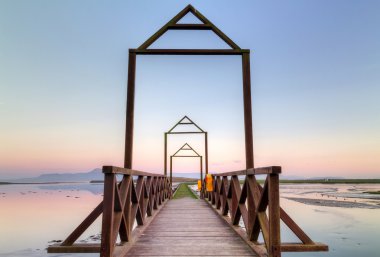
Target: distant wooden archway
<point x="186" y="147"/>
<point x="185" y="121"/>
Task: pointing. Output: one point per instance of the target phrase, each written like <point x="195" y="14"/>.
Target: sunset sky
<point x="315" y="68"/>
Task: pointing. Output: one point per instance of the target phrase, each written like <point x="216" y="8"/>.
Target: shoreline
<point x="333" y="203"/>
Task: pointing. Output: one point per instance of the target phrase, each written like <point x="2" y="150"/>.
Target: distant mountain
<point x="324" y="178"/>
<point x="95" y="174"/>
<point x="291" y="177"/>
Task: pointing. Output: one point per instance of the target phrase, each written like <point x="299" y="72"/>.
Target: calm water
<point x="33" y="215"/>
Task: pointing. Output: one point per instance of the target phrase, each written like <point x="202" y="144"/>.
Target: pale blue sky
<point x="315" y="69"/>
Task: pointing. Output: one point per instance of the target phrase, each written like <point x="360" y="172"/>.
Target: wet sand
<point x="333" y="203"/>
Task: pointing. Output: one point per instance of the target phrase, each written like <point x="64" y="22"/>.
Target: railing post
<point x="107" y="243"/>
<point x="274" y="216"/>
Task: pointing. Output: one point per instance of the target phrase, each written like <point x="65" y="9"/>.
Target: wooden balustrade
<point x="136" y="198"/>
<point x="259" y="208"/>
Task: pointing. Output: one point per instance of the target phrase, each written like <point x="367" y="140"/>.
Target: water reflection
<point x="33" y="215"/>
<point x="94" y="188"/>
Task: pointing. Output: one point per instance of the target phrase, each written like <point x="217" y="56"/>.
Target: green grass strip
<point x="184" y="191"/>
<point x="372" y="192"/>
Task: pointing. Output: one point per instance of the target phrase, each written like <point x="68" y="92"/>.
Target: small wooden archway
<point x="185" y="121"/>
<point x="186" y="147"/>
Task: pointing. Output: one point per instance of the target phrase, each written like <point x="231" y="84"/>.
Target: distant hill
<point x="95" y="174"/>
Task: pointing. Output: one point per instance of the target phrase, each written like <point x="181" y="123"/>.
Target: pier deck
<point x="189" y="227"/>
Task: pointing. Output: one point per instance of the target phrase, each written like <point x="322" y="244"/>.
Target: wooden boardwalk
<point x="167" y="226"/>
<point x="189" y="227"/>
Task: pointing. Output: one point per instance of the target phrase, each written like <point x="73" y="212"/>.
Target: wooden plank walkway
<point x="189" y="227"/>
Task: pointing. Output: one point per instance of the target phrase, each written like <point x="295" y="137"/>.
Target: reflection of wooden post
<point x="130" y="111"/>
<point x="206" y="153"/>
<point x="165" y="153"/>
<point x="171" y="169"/>
<point x="247" y="111"/>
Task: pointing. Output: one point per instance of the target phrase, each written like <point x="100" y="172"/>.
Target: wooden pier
<point x="189" y="227"/>
<point x="139" y="216"/>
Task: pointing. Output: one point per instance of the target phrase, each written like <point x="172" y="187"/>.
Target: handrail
<point x="124" y="171"/>
<point x="253" y="171"/>
<point x="259" y="208"/>
<point x="124" y="203"/>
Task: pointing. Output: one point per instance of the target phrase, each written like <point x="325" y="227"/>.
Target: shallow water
<point x="33" y="215"/>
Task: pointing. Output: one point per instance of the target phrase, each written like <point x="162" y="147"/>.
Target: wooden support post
<point x="86" y="223"/>
<point x="171" y="171"/>
<point x="251" y="208"/>
<point x="206" y="152"/>
<point x="274" y="249"/>
<point x="247" y="111"/>
<point x="127" y="209"/>
<point x="107" y="243"/>
<point x="130" y="111"/>
<point x="165" y="153"/>
<point x="201" y="167"/>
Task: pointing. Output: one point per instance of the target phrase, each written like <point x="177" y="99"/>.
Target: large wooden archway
<point x="145" y="50"/>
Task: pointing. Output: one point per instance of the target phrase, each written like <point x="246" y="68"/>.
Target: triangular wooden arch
<point x="173" y="25"/>
<point x="186" y="121"/>
<point x="186" y="147"/>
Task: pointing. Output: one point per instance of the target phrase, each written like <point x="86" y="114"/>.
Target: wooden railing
<point x="136" y="198"/>
<point x="259" y="208"/>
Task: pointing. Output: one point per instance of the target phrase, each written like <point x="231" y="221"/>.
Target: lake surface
<point x="33" y="215"/>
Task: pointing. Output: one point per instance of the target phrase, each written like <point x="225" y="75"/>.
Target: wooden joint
<point x="264" y="170"/>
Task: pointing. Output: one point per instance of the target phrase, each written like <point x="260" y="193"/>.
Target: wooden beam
<point x="295" y="228"/>
<point x="124" y="171"/>
<point x="108" y="242"/>
<point x="185" y="132"/>
<point x="274" y="249"/>
<point x="206" y="152"/>
<point x="130" y="111"/>
<point x="164" y="28"/>
<point x="75" y="248"/>
<point x="316" y="247"/>
<point x="86" y="223"/>
<point x="247" y="111"/>
<point x="189" y="51"/>
<point x="165" y="153"/>
<point x="230" y="173"/>
<point x="264" y="170"/>
<point x="190" y="27"/>
<point x="216" y="30"/>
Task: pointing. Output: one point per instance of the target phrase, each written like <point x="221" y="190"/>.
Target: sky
<point x="315" y="76"/>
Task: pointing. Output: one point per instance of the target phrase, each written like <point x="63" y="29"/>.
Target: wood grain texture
<point x="189" y="227"/>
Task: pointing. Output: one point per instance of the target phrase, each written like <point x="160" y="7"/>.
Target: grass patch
<point x="184" y="191"/>
<point x="372" y="192"/>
